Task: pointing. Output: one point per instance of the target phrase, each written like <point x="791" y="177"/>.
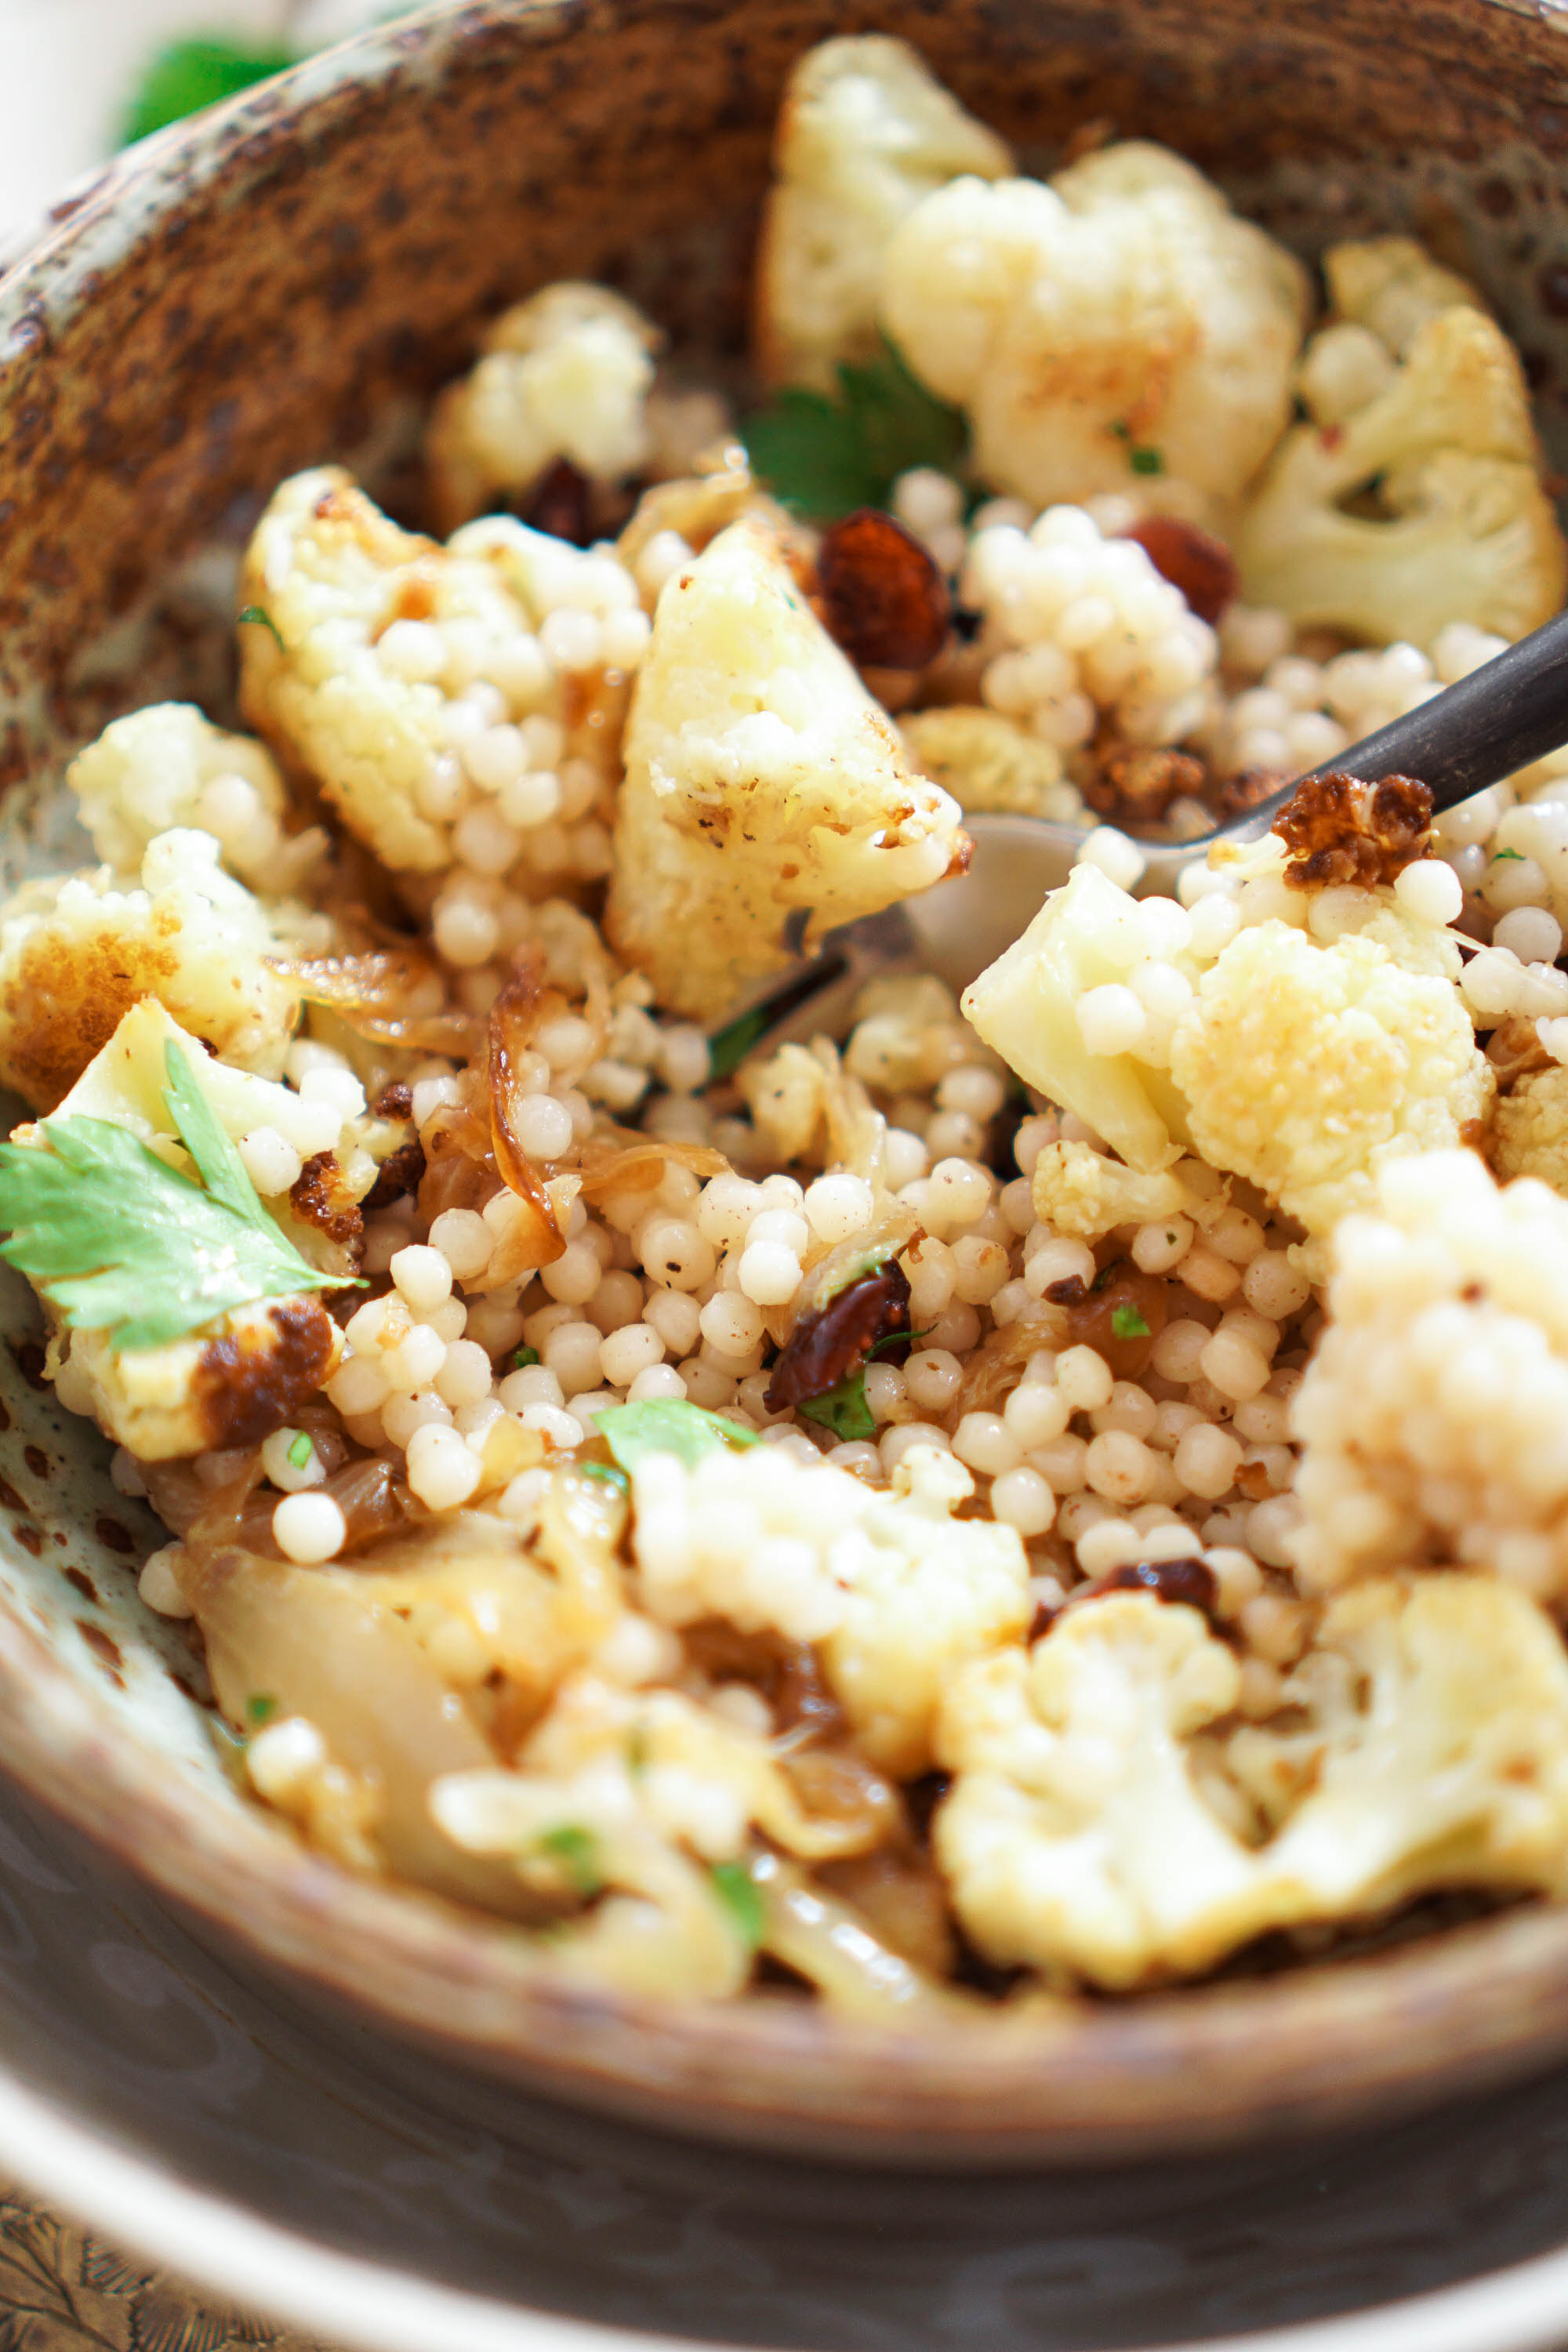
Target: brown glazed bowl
<point x="287" y="280"/>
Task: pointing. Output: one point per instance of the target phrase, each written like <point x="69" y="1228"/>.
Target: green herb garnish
<point x="1498" y="855"/>
<point x="843" y="1409"/>
<point x="827" y="457"/>
<point x="261" y="1707"/>
<point x="119" y="1242"/>
<point x="301" y="1451"/>
<point x="190" y="75"/>
<point x="262" y="618"/>
<point x="607" y="1475"/>
<point x="1146" y="461"/>
<point x="739" y="1893"/>
<point x="668" y="1425"/>
<point x="524" y="1359"/>
<point x="576" y="1850"/>
<point x="1128" y="1323"/>
<point x="729" y="1046"/>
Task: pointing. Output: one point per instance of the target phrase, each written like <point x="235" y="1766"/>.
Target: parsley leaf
<point x="844" y="1409"/>
<point x="1146" y="461"/>
<point x="189" y="75"/>
<point x="301" y="1451"/>
<point x="261" y="1707"/>
<point x="827" y="457"/>
<point x="739" y="1893"/>
<point x="262" y="618"/>
<point x="1128" y="1323"/>
<point x="524" y="1359"/>
<point x="1498" y="855"/>
<point x="122" y="1243"/>
<point x="668" y="1425"/>
<point x="576" y="1851"/>
<point x="607" y="1476"/>
<point x="728" y="1047"/>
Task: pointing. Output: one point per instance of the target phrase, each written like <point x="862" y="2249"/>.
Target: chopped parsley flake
<point x="843" y="1409"/>
<point x="1146" y="461"/>
<point x="1498" y="855"/>
<point x="259" y="617"/>
<point x="576" y="1852"/>
<point x="1128" y="1323"/>
<point x="739" y="1893"/>
<point x="119" y="1242"/>
<point x="260" y="1709"/>
<point x="524" y="1359"/>
<point x="668" y="1425"/>
<point x="299" y="1452"/>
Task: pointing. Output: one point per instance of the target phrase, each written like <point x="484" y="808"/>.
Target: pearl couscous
<point x="1065" y="1484"/>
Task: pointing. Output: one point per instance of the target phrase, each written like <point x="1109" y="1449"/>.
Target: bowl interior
<point x="284" y="281"/>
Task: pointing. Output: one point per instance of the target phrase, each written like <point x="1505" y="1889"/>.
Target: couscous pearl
<point x="309" y="1528"/>
<point x="1156" y="1248"/>
<point x="732" y="1323"/>
<point x="676" y="1318"/>
<point x="466" y="935"/>
<point x="1235" y="1364"/>
<point x="464" y="1240"/>
<point x="932" y="1274"/>
<point x="531" y="1384"/>
<point x="769" y="1272"/>
<point x="657" y="1380"/>
<point x="957" y="1328"/>
<point x="674" y="1252"/>
<point x="1061" y="1463"/>
<point x="1110" y="1020"/>
<point x="1035" y="1415"/>
<point x="574" y="1277"/>
<point x="625" y="638"/>
<point x="906" y="1158"/>
<point x="443" y="1471"/>
<point x="617" y="1300"/>
<point x="1118" y="1466"/>
<point x="896" y="1442"/>
<point x="1235" y="1236"/>
<point x="402" y="1415"/>
<point x="1431" y="891"/>
<point x="885" y="1391"/>
<point x="159" y="1587"/>
<point x="837" y="1206"/>
<point x="1020" y="1499"/>
<point x="626" y="1352"/>
<point x="1059" y="1261"/>
<point x="423" y="1277"/>
<point x="982" y="1269"/>
<point x="1263" y="1421"/>
<point x="477" y="1420"/>
<point x="1273" y="1286"/>
<point x="542" y="1127"/>
<point x="780" y="1226"/>
<point x="960" y="1191"/>
<point x="416" y="1359"/>
<point x="270" y="1161"/>
<point x="573" y="1353"/>
<point x="359" y="1385"/>
<point x="1270" y="1530"/>
<point x="465" y="1378"/>
<point x="1129" y="1407"/>
<point x="572" y="641"/>
<point x="932" y="1377"/>
<point x="1207" y="1461"/>
<point x="1532" y="933"/>
<point x="555" y="1424"/>
<point x="984" y="1440"/>
<point x="1207" y="1274"/>
<point x="1178" y="1350"/>
<point x="282" y="1758"/>
<point x="707" y="1385"/>
<point x="1084" y="1379"/>
<point x="1105" y="1543"/>
<point x="1117" y="856"/>
<point x="496" y="756"/>
<point x="290" y="1475"/>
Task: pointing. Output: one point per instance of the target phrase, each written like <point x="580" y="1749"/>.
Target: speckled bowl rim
<point x="1467" y="2007"/>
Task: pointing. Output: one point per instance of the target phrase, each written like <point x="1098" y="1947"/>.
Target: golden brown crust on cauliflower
<point x="231" y="1384"/>
<point x="864" y="133"/>
<point x="1340" y="829"/>
<point x="564" y="375"/>
<point x="1529" y="1128"/>
<point x="78" y="952"/>
<point x="761" y="777"/>
<point x="1122" y="307"/>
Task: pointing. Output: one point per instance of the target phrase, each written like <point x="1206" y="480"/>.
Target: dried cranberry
<point x="883" y="598"/>
<point x="825" y="1348"/>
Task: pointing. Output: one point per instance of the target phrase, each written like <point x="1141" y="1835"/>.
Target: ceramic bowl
<point x="287" y="280"/>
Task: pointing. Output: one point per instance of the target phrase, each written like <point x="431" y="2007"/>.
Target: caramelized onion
<point x="370" y="994"/>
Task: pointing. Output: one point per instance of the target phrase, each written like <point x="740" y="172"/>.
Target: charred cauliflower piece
<point x="1442" y="1760"/>
<point x="1121" y="309"/>
<point x="1074" y="1838"/>
<point x="896" y="1591"/>
<point x="77" y="952"/>
<point x="374" y="635"/>
<point x="865" y="132"/>
<point x="1466" y="532"/>
<point x="1432" y="1415"/>
<point x="564" y="375"/>
<point x="169" y="767"/>
<point x="1300" y="1063"/>
<point x="760" y="778"/>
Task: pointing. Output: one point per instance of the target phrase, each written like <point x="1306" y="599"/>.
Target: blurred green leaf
<point x="190" y="75"/>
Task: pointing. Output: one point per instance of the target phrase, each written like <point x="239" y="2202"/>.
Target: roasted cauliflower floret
<point x="1392" y="286"/>
<point x="75" y="952"/>
<point x="169" y="767"/>
<point x="1074" y="1838"/>
<point x="374" y="633"/>
<point x="231" y="1383"/>
<point x="1121" y="309"/>
<point x="1079" y="1191"/>
<point x="761" y="777"/>
<point x="987" y="761"/>
<point x="1465" y="532"/>
<point x="1423" y="1745"/>
<point x="564" y="375"/>
<point x="1440" y="1759"/>
<point x="865" y="132"/>
<point x="1299" y="1062"/>
<point x="1432" y="1414"/>
<point x="1530" y="1129"/>
<point x="895" y="1591"/>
